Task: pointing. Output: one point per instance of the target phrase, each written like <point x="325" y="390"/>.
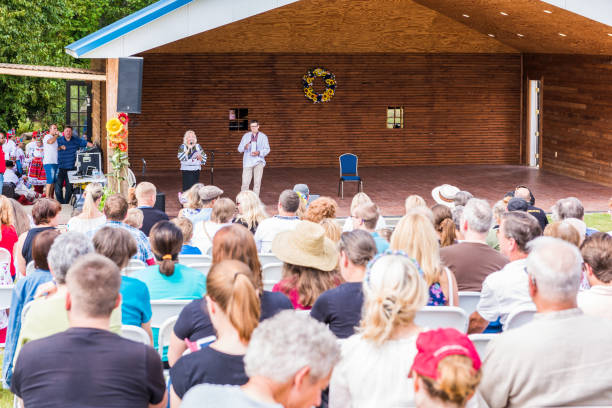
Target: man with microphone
<point x="254" y="145"/>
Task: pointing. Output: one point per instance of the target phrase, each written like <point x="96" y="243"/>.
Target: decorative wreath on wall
<point x="330" y="85"/>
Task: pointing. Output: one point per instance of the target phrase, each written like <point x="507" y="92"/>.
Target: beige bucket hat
<point x="307" y="246"/>
<point x="445" y="194"/>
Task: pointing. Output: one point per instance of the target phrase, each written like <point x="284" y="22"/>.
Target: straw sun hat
<point x="307" y="246"/>
<point x="445" y="194"/>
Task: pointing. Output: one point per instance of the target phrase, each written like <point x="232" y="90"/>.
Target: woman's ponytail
<point x="244" y="307"/>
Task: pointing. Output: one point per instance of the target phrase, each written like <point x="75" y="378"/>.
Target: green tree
<point x="35" y="32"/>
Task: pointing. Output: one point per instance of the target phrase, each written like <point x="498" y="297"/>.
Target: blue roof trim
<point x="123" y="26"/>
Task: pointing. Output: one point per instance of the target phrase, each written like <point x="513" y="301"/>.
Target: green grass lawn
<point x="599" y="221"/>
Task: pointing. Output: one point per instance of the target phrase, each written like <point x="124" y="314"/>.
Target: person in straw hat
<point x="445" y="195"/>
<point x="310" y="261"/>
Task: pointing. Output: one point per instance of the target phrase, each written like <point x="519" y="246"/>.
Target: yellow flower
<point x="114" y="126"/>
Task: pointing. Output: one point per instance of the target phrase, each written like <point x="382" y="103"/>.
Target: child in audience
<point x="134" y="218"/>
<point x="186" y="227"/>
<point x="446" y="369"/>
<point x="10" y="179"/>
<point x="233" y="306"/>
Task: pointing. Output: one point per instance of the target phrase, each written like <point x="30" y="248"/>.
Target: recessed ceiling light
<point x="520" y="35"/>
<point x="548" y="11"/>
<point x="466" y="16"/>
<point x="491" y="35"/>
<point x="503" y="13"/>
<point x="562" y="35"/>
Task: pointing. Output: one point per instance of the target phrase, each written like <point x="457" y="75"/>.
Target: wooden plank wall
<point x="458" y="108"/>
<point x="577" y="114"/>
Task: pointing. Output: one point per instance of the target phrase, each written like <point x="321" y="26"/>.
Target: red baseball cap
<point x="434" y="345"/>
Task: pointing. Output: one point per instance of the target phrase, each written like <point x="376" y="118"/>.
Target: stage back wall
<point x="458" y="108"/>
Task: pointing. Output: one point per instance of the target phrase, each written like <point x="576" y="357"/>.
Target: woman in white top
<point x="376" y="361"/>
<point x="91" y="217"/>
<point x="359" y="199"/>
<point x="192" y="158"/>
<point x="204" y="231"/>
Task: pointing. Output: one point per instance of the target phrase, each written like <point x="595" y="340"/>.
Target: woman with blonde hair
<point x="91" y="217"/>
<point x="332" y="229"/>
<point x="444" y="225"/>
<point x="251" y="210"/>
<point x="233" y="306"/>
<point x="358" y="200"/>
<point x="376" y="361"/>
<point x="192" y="205"/>
<point x="414" y="201"/>
<point x="204" y="231"/>
<point x="416" y="236"/>
<point x="192" y="158"/>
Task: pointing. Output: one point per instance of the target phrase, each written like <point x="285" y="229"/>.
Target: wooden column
<point x="112" y="91"/>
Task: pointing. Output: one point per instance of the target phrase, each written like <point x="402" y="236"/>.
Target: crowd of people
<point x="338" y="329"/>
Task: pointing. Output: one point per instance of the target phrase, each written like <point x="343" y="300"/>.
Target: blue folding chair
<point x="348" y="172"/>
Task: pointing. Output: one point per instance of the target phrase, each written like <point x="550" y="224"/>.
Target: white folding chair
<point x="481" y="340"/>
<point x="520" y="317"/>
<point x="189" y="260"/>
<point x="165" y="332"/>
<point x="265" y="259"/>
<point x="436" y="317"/>
<point x="6" y="294"/>
<point x="202" y="267"/>
<point x="468" y="301"/>
<point x="164" y="308"/>
<point x="30" y="268"/>
<point x="272" y="274"/>
<point x="135" y="333"/>
<point x="136" y="263"/>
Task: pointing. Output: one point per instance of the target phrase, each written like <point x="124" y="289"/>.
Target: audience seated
<point x="563" y="230"/>
<point x="461" y="198"/>
<point x="309" y="264"/>
<point x="24" y="292"/>
<point x="365" y="218"/>
<point x="234" y="309"/>
<point x="580" y="227"/>
<point x="517" y="204"/>
<point x="444" y="225"/>
<point x="192" y="205"/>
<point x="414" y="201"/>
<point x="304" y="193"/>
<point x="332" y="229"/>
<point x="472" y="260"/>
<point x="359" y="199"/>
<point x="540" y="215"/>
<point x="47" y="315"/>
<point x="597" y="255"/>
<point x="340" y="308"/>
<point x="498" y="209"/>
<point x="115" y="209"/>
<point x="134" y="218"/>
<point x="186" y="228"/>
<point x="251" y="210"/>
<point x="288" y="370"/>
<point x="87" y="365"/>
<point x="416" y="236"/>
<point x="204" y="231"/>
<point x="8" y="237"/>
<point x="446" y="369"/>
<point x="118" y="245"/>
<point x="146" y="195"/>
<point x="91" y="217"/>
<point x="457" y="212"/>
<point x="286" y="220"/>
<point x="506" y="290"/>
<point x="570" y="207"/>
<point x="376" y="361"/>
<point x="45" y="214"/>
<point x="193" y="324"/>
<point x="208" y="197"/>
<point x="22" y="219"/>
<point x="562" y="357"/>
<point x="445" y="194"/>
<point x="168" y="279"/>
<point x="320" y="209"/>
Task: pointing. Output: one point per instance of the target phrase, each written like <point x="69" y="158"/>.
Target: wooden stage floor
<point x="389" y="186"/>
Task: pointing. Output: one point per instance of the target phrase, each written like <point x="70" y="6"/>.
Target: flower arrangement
<point x="330" y="85"/>
<point x="117" y="147"/>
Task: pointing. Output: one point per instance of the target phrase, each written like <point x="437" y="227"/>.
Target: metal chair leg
<point x="342" y="189"/>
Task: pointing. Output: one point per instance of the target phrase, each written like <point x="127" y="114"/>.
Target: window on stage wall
<point x="239" y="119"/>
<point x="395" y="117"/>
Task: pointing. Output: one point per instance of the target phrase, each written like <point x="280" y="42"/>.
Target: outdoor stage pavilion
<point x="483" y="94"/>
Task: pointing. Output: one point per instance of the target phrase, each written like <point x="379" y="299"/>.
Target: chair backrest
<point x="135" y="333"/>
<point x="348" y="164"/>
<point x="131" y="178"/>
<point x="520" y="317"/>
<point x="163" y="309"/>
<point x="136" y="263"/>
<point x="272" y="274"/>
<point x="202" y="267"/>
<point x="268" y="258"/>
<point x="189" y="260"/>
<point x="165" y="331"/>
<point x="30" y="268"/>
<point x="6" y="294"/>
<point x="435" y="317"/>
<point x="5" y="256"/>
<point x="131" y="270"/>
<point x="468" y="301"/>
<point x="481" y="340"/>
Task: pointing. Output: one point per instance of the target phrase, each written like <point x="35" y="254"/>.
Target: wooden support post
<point x="112" y="91"/>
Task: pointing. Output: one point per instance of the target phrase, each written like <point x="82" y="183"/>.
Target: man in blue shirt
<point x="254" y="145"/>
<point x="66" y="158"/>
<point x="365" y="218"/>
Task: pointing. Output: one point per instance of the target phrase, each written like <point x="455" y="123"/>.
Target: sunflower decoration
<point x="329" y="80"/>
<point x="117" y="144"/>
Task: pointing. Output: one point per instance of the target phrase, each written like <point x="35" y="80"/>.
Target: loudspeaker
<point x="160" y="202"/>
<point x="130" y="85"/>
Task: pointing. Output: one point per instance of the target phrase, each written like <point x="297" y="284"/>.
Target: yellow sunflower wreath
<point x="330" y="85"/>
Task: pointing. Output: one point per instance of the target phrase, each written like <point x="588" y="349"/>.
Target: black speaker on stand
<point x="129" y="85"/>
<point x="160" y="202"/>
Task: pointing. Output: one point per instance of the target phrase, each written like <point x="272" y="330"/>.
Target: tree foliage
<point x="35" y="32"/>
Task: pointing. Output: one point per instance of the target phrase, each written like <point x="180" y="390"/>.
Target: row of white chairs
<point x="189" y="260"/>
